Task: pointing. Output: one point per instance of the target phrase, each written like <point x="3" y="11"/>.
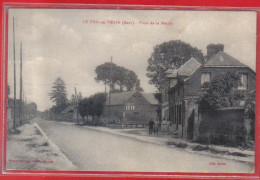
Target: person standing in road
<point x="151" y="124"/>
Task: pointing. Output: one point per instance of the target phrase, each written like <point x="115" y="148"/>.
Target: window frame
<point x="241" y="79"/>
<point x="201" y="85"/>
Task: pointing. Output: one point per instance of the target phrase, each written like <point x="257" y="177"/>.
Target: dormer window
<point x="205" y="78"/>
<point x="243" y="82"/>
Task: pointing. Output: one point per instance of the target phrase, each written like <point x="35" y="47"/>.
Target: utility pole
<point x="109" y="93"/>
<point x="24" y="110"/>
<point x="21" y="85"/>
<point x="14" y="120"/>
<point x="77" y="105"/>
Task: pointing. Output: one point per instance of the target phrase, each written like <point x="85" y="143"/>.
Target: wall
<point x="221" y="119"/>
<point x="192" y="86"/>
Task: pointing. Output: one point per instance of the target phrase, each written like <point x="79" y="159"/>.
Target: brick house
<point x="132" y="106"/>
<point x="185" y="85"/>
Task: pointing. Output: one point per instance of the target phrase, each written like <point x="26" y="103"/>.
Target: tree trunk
<point x="83" y="119"/>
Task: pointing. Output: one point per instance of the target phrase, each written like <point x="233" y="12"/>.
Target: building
<point x="70" y="113"/>
<point x="131" y="106"/>
<point x="185" y="85"/>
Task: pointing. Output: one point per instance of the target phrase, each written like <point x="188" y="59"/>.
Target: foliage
<point x="117" y="76"/>
<point x="169" y="55"/>
<point x="73" y="99"/>
<point x="222" y="92"/>
<point x="83" y="107"/>
<point x="213" y="130"/>
<point x="32" y="107"/>
<point x="99" y="103"/>
<point x="58" y="95"/>
<point x="250" y="112"/>
<point x="93" y="105"/>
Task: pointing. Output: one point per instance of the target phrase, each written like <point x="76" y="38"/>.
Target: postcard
<point x="128" y="90"/>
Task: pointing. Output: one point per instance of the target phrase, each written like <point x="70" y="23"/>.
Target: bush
<point x="222" y="132"/>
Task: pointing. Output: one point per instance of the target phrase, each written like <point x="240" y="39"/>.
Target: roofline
<point x="222" y="66"/>
<point x="207" y="66"/>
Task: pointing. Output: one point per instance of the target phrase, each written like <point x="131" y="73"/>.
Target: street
<point x="92" y="150"/>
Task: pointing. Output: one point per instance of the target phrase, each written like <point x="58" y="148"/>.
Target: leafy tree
<point x="31" y="109"/>
<point x="73" y="99"/>
<point x="130" y="80"/>
<point x="99" y="101"/>
<point x="222" y="92"/>
<point x="93" y="106"/>
<point x="58" y="95"/>
<point x="105" y="74"/>
<point x="119" y="75"/>
<point x="169" y="55"/>
<point x="84" y="108"/>
<point x="113" y="75"/>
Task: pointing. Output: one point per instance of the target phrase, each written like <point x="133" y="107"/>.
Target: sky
<point x="71" y="43"/>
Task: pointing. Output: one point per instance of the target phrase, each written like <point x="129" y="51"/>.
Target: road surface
<point x="92" y="150"/>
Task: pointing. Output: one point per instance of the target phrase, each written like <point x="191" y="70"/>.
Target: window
<point x="243" y="81"/>
<point x="205" y="78"/>
<point x="130" y="107"/>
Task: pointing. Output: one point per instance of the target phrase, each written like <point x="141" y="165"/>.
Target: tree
<point x="58" y="95"/>
<point x="105" y="74"/>
<point x="130" y="80"/>
<point x="84" y="108"/>
<point x="99" y="101"/>
<point x="222" y="92"/>
<point x="93" y="106"/>
<point x="113" y="75"/>
<point x="169" y="55"/>
<point x="73" y="99"/>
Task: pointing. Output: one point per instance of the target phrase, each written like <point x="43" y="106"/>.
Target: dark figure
<point x="156" y="127"/>
<point x="151" y="123"/>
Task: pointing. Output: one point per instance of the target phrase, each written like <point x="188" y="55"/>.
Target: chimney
<point x="213" y="49"/>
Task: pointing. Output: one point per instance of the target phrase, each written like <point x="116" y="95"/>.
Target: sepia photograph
<point x="119" y="90"/>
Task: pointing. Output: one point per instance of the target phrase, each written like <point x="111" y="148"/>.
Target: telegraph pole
<point x="77" y="105"/>
<point x="21" y="84"/>
<point x="109" y="93"/>
<point x="14" y="120"/>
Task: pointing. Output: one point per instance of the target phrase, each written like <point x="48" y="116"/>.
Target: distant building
<point x="69" y="113"/>
<point x="132" y="106"/>
<point x="185" y="85"/>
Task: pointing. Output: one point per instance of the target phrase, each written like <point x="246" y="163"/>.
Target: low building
<point x="131" y="106"/>
<point x="185" y="85"/>
<point x="69" y="113"/>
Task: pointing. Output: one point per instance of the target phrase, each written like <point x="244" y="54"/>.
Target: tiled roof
<point x="68" y="109"/>
<point x="119" y="98"/>
<point x="186" y="69"/>
<point x="122" y="97"/>
<point x="150" y="98"/>
<point x="222" y="59"/>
